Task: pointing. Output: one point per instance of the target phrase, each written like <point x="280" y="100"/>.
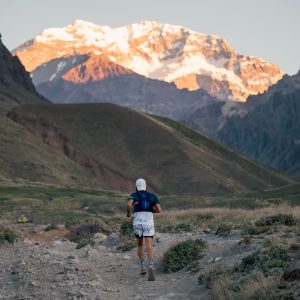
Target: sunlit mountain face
<point x="163" y="52"/>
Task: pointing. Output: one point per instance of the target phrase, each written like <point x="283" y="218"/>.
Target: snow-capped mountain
<point x="157" y="51"/>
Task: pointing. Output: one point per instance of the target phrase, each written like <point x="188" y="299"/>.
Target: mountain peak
<point x="160" y="51"/>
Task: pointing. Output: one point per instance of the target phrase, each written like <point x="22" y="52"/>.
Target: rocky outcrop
<point x="12" y="71"/>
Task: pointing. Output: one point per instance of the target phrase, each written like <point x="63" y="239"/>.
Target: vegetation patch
<point x="87" y="230"/>
<point x="280" y="219"/>
<point x="224" y="283"/>
<point x="126" y="228"/>
<point x="176" y="228"/>
<point x="84" y="242"/>
<point x="127" y="245"/>
<point x="224" y="229"/>
<point x="214" y="273"/>
<point x="7" y="235"/>
<point x="51" y="227"/>
<point x="127" y="239"/>
<point x="182" y="254"/>
<point x="265" y="259"/>
<point x="71" y="221"/>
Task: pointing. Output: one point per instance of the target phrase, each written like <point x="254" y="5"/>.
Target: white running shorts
<point x="143" y="224"/>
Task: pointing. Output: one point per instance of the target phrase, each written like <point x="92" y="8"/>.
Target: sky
<point x="269" y="29"/>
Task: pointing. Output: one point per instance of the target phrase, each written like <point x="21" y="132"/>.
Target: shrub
<point x="249" y="261"/>
<point x="251" y="230"/>
<point x="266" y="259"/>
<point x="280" y="219"/>
<point x="7" y="235"/>
<point x="180" y="255"/>
<point x="214" y="273"/>
<point x="71" y="222"/>
<point x="273" y="257"/>
<point x="87" y="230"/>
<point x="83" y="242"/>
<point x="128" y="245"/>
<point x="126" y="228"/>
<point x="194" y="266"/>
<point x="224" y="229"/>
<point x="50" y="227"/>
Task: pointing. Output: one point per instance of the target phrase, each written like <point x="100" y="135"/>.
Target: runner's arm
<point x="157" y="209"/>
<point x="129" y="206"/>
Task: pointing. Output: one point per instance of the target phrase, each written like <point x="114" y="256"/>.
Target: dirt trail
<point x="57" y="270"/>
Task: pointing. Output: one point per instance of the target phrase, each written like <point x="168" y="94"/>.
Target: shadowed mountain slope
<point x="270" y="133"/>
<point x="15" y="84"/>
<point x="89" y="79"/>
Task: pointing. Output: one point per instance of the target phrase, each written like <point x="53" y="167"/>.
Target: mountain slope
<point x="15" y="83"/>
<point x="97" y="79"/>
<point x="158" y="51"/>
<point x="25" y="157"/>
<point x="270" y="133"/>
<point x="116" y="145"/>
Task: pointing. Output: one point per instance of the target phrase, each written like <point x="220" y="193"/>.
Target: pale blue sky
<point x="269" y="29"/>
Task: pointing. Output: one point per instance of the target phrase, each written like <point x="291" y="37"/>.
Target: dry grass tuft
<point x="213" y="217"/>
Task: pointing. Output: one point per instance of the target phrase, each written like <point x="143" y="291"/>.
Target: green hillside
<point x="115" y="145"/>
<point x="24" y="156"/>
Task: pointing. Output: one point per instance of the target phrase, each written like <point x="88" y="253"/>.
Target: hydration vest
<point x="143" y="202"/>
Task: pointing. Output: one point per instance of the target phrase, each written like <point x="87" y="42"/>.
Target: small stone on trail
<point x="126" y="257"/>
<point x="207" y="230"/>
<point x="99" y="236"/>
<point x="34" y="284"/>
<point x="27" y="242"/>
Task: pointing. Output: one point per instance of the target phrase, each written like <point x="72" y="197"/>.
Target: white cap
<point x="140" y="184"/>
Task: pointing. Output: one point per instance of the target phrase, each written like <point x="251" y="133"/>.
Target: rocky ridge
<point x="268" y="131"/>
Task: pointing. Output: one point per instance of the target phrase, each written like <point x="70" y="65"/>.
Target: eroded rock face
<point x="158" y="51"/>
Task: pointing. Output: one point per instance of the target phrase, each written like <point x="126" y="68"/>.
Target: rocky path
<point x="57" y="270"/>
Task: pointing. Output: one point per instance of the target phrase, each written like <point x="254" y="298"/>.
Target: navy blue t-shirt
<point x="143" y="201"/>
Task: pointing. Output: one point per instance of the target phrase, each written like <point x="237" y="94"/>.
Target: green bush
<point x="71" y="222"/>
<point x="7" y="235"/>
<point x="126" y="228"/>
<point x="253" y="230"/>
<point x="249" y="261"/>
<point x="224" y="229"/>
<point x="266" y="259"/>
<point x="273" y="257"/>
<point x="51" y="227"/>
<point x="280" y="219"/>
<point x="83" y="242"/>
<point x="182" y="254"/>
